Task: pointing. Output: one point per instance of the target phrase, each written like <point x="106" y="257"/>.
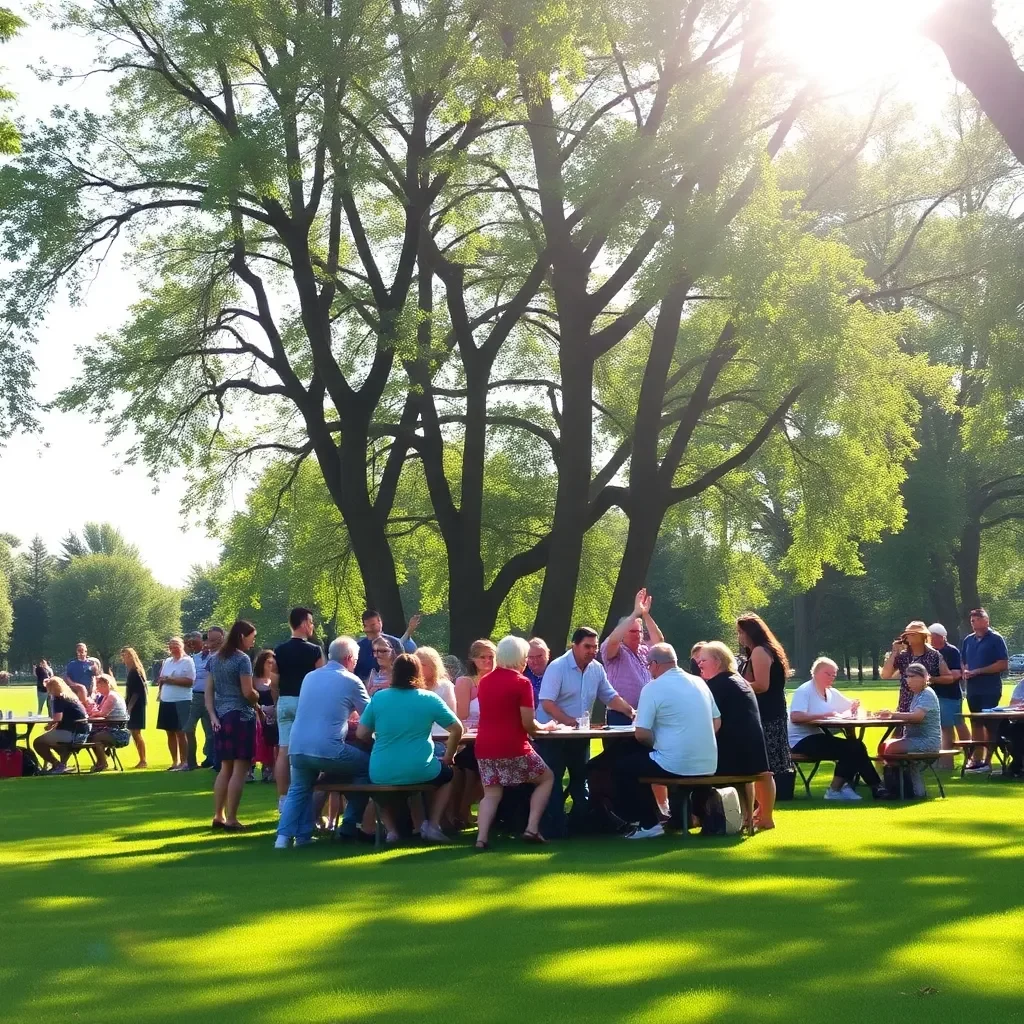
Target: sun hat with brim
<point x="917" y="626"/>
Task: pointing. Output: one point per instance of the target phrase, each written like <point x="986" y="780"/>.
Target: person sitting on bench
<point x="818" y="698"/>
<point x="677" y="718"/>
<point x="923" y="732"/>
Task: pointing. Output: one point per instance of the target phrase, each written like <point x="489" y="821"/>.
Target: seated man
<point x="1013" y="733"/>
<point x="329" y="695"/>
<point x="677" y="718"/>
<point x="570" y="685"/>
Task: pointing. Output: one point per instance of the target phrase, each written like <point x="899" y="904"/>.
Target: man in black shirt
<point x="295" y="658"/>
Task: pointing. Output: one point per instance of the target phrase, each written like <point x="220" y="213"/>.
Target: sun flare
<point x="844" y="43"/>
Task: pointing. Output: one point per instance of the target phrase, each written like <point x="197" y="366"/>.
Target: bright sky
<point x="56" y="481"/>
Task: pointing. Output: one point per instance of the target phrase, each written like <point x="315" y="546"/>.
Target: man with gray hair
<point x="676" y="718"/>
<point x="328" y="696"/>
<point x="200" y="649"/>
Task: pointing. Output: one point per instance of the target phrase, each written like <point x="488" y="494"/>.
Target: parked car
<point x="1017" y="662"/>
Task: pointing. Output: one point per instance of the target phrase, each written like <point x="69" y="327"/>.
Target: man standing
<point x="677" y="719"/>
<point x="82" y="669"/>
<point x="536" y="662"/>
<point x="373" y="627"/>
<point x="949" y="692"/>
<point x="201" y="652"/>
<point x="568" y="690"/>
<point x="985" y="658"/>
<point x="624" y="654"/>
<point x="317" y="744"/>
<point x="295" y="658"/>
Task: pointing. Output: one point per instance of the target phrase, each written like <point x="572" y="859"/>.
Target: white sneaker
<point x="647" y="833"/>
<point x="282" y="842"/>
<point x="430" y="832"/>
<point x="849" y="793"/>
<point x="834" y="794"/>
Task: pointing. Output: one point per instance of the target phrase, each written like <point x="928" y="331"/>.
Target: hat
<point x="938" y="629"/>
<point x="917" y="626"/>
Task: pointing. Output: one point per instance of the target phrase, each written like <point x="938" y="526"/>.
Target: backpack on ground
<point x="913" y="783"/>
<point x="30" y="764"/>
<point x="10" y="763"/>
<point x="723" y="815"/>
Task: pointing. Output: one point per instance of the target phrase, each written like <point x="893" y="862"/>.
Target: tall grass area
<point x="120" y="905"/>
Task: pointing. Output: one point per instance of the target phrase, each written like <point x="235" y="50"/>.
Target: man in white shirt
<point x="677" y="719"/>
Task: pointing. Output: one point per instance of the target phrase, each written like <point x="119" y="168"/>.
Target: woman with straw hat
<point x="912" y="647"/>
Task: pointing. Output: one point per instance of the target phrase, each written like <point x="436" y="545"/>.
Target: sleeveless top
<point x="772" y="703"/>
<point x="929" y="658"/>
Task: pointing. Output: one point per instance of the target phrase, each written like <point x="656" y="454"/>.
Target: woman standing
<point x="264" y="672"/>
<point x="113" y="732"/>
<point x="741" y="745"/>
<point x="136" y="698"/>
<point x="467" y="709"/>
<point x="504" y="754"/>
<point x="912" y="647"/>
<point x="177" y="674"/>
<point x="766" y="668"/>
<point x="231" y="702"/>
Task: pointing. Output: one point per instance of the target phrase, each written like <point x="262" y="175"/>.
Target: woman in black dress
<point x="741" y="746"/>
<point x="135" y="700"/>
<point x="766" y="668"/>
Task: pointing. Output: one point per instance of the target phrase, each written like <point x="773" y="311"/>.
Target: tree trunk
<point x="644" y="526"/>
<point x="967" y="558"/>
<point x="860" y="668"/>
<point x="803" y="639"/>
<point x="942" y="591"/>
<point x="982" y="59"/>
<point x="874" y="665"/>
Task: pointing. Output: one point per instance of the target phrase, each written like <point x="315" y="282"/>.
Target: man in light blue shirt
<point x="328" y="696"/>
<point x="568" y="690"/>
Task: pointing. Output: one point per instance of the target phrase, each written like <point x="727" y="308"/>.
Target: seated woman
<point x="741" y="745"/>
<point x="380" y="677"/>
<point x="818" y="698"/>
<point x="1013" y="733"/>
<point x="113" y="730"/>
<point x="70" y="726"/>
<point x="503" y="751"/>
<point x="399" y="720"/>
<point x="923" y="732"/>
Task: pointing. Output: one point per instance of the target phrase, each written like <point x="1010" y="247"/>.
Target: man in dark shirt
<point x="295" y="658"/>
<point x="373" y="627"/>
<point x="951" y="695"/>
<point x="985" y="659"/>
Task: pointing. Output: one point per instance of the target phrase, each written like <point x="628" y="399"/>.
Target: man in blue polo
<point x="985" y="659"/>
<point x="373" y="627"/>
<point x="82" y="669"/>
<point x="568" y="689"/>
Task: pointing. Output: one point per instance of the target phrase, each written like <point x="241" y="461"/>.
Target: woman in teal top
<point x="400" y="719"/>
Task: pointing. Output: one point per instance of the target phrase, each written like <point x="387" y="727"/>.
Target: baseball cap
<point x="938" y="629"/>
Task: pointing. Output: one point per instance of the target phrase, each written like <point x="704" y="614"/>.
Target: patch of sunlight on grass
<point x="691" y="1007"/>
<point x="329" y="1006"/>
<point x="974" y="965"/>
<point x="62" y="902"/>
<point x="216" y="956"/>
<point x="617" y="964"/>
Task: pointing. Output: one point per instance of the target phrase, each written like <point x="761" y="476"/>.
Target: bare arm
<point x="614" y="641"/>
<point x="248" y="690"/>
<point x="463" y="697"/>
<point x="761" y="668"/>
<point x="557" y="713"/>
<point x="530" y="724"/>
<point x="945" y="674"/>
<point x="622" y="706"/>
<point x="364" y="733"/>
<point x="997" y="667"/>
<point x="716" y="724"/>
<point x="646" y="737"/>
<point x="455" y="731"/>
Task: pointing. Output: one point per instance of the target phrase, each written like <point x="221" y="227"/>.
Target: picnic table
<point x="29" y="721"/>
<point x="851" y="725"/>
<point x="997" y="742"/>
<point x="469" y="736"/>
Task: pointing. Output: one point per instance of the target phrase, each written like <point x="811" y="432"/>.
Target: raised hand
<point x="642" y="604"/>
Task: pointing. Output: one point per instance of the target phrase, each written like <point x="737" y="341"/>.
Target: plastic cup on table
<point x="583" y="723"/>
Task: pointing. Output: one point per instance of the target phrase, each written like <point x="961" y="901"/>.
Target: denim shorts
<point x="951" y="712"/>
<point x="285" y="716"/>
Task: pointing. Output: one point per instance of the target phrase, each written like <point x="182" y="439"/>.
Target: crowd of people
<point x="381" y="710"/>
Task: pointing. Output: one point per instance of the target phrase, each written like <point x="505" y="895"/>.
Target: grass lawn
<point x="119" y="905"/>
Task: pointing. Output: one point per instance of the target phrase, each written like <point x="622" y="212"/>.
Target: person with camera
<point x="912" y="647"/>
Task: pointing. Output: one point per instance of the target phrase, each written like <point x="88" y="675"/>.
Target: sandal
<point x="99" y="768"/>
<point x="534" y="837"/>
<point x="217" y="824"/>
<point x="236" y="827"/>
<point x="481" y="844"/>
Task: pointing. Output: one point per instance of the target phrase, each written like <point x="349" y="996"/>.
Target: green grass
<point x="119" y="905"/>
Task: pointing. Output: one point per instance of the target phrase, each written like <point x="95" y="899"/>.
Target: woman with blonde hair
<point x="741" y="746"/>
<point x="136" y="698"/>
<point x="435" y="675"/>
<point x="70" y="726"/>
<point x="113" y="730"/>
<point x="467" y="708"/>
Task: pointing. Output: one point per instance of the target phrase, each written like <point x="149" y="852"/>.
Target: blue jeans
<point x="297" y="813"/>
<point x="561" y="756"/>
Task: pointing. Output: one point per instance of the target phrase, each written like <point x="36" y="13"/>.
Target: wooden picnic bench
<point x="997" y="745"/>
<point x="926" y="759"/>
<point x="373" y="791"/>
<point x="688" y="782"/>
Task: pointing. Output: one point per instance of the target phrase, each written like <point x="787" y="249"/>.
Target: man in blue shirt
<point x="985" y="659"/>
<point x="568" y="690"/>
<point x="373" y="628"/>
<point x="536" y="664"/>
<point x="317" y="743"/>
<point x="201" y="652"/>
<point x="82" y="669"/>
